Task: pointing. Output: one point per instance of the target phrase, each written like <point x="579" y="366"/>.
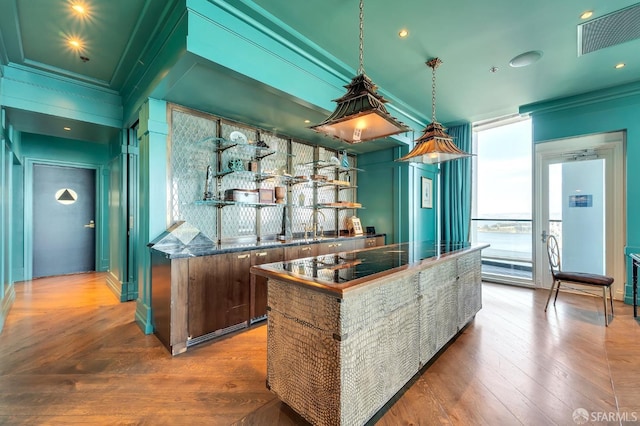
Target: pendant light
<point x="435" y="145"/>
<point x="360" y="115"/>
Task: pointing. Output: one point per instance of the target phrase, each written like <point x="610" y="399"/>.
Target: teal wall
<point x="118" y="220"/>
<point x="242" y="39"/>
<point x="61" y="150"/>
<point x="17" y="222"/>
<point x="68" y="152"/>
<point x="7" y="291"/>
<point x="152" y="198"/>
<point x="609" y="110"/>
<point x="390" y="191"/>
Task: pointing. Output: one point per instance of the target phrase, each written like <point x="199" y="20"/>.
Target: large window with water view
<point x="501" y="211"/>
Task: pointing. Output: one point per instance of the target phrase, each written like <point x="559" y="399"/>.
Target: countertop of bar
<point x="341" y="272"/>
<point x="174" y="249"/>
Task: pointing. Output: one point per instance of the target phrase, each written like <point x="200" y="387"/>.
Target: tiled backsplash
<point x="192" y="150"/>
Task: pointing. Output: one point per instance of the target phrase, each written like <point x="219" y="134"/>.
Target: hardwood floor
<point x="70" y="353"/>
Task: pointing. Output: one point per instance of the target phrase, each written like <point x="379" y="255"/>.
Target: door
<point x="580" y="200"/>
<point x="208" y="281"/>
<point x="259" y="289"/>
<point x="63" y="220"/>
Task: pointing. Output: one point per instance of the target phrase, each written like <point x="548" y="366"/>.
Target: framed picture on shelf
<point x="354" y="225"/>
<point x="427" y="193"/>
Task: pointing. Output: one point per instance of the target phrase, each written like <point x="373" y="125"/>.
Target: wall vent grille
<point x="609" y="30"/>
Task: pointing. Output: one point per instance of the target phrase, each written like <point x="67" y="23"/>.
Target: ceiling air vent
<point x="609" y="30"/>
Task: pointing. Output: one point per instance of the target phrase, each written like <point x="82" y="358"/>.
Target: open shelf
<point x="221" y="145"/>
<point x="223" y="203"/>
<point x="325" y="164"/>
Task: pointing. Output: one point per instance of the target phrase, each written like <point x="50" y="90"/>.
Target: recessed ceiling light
<point x="79" y="9"/>
<point x="525" y="59"/>
<point x="67" y="128"/>
<point x="74" y="43"/>
<point x="307" y="121"/>
<point x="620" y="65"/>
<point x="403" y="33"/>
<point x="586" y="14"/>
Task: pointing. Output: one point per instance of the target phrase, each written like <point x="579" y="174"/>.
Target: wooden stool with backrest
<point x="581" y="278"/>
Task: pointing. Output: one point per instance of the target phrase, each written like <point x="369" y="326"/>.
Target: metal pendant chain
<point x="361" y="66"/>
<point x="433" y="95"/>
<point x="433" y="64"/>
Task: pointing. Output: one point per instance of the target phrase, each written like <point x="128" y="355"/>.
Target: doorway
<point x="579" y="198"/>
<point x="64" y="200"/>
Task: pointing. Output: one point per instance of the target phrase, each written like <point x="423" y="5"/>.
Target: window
<point x="501" y="209"/>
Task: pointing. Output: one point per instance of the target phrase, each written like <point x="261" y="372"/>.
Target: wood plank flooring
<point x="70" y="353"/>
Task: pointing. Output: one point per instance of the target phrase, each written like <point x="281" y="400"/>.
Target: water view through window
<point x="501" y="212"/>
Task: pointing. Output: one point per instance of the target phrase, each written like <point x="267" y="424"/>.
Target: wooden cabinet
<point x="197" y="299"/>
<point x="259" y="284"/>
<point x="219" y="292"/>
<point x="373" y="242"/>
<point x="169" y="301"/>
<point x="239" y="288"/>
<point x="336" y="246"/>
<point x="298" y="252"/>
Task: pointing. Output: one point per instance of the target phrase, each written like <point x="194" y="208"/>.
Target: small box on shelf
<point x="266" y="195"/>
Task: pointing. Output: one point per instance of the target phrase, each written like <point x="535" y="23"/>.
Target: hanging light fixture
<point x="435" y="145"/>
<point x="360" y="115"/>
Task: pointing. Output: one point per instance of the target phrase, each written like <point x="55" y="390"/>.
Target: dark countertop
<point x="340" y="272"/>
<point x="173" y="249"/>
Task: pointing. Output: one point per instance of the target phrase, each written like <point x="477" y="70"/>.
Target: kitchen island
<point x="202" y="290"/>
<point x="347" y="331"/>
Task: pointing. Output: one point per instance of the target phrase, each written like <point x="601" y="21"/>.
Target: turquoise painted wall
<point x="239" y="36"/>
<point x="152" y="198"/>
<point x="117" y="226"/>
<point x="7" y="291"/>
<point x="390" y="191"/>
<point x="17" y="207"/>
<point x="59" y="149"/>
<point x="52" y="150"/>
<point x="604" y="111"/>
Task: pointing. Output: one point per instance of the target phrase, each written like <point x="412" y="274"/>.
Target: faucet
<point x="313" y="227"/>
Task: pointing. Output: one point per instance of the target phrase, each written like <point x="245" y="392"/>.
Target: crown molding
<point x="275" y="54"/>
<point x="584" y="99"/>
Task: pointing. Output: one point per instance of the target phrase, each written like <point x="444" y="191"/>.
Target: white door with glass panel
<point x="580" y="200"/>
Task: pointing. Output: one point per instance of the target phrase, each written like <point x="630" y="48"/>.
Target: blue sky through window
<point x="504" y="171"/>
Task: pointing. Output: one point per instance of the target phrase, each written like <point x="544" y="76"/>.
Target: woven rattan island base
<point x="347" y="331"/>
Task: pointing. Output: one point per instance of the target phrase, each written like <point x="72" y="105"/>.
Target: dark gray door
<point x="63" y="220"/>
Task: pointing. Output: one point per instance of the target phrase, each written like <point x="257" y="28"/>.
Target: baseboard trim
<point x="143" y="317"/>
<point x="115" y="285"/>
<point x="628" y="293"/>
<point x="7" y="302"/>
<point x="18" y="274"/>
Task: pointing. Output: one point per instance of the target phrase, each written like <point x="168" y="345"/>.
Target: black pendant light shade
<point x="435" y="145"/>
<point x="360" y="115"/>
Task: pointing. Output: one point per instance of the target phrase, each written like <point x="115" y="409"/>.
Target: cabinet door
<point x="336" y="246"/>
<point x="208" y="283"/>
<point x="298" y="252"/>
<point x="438" y="307"/>
<point x="259" y="284"/>
<point x="239" y="288"/>
<point x="470" y="287"/>
<point x="361" y="243"/>
<point x="370" y="242"/>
